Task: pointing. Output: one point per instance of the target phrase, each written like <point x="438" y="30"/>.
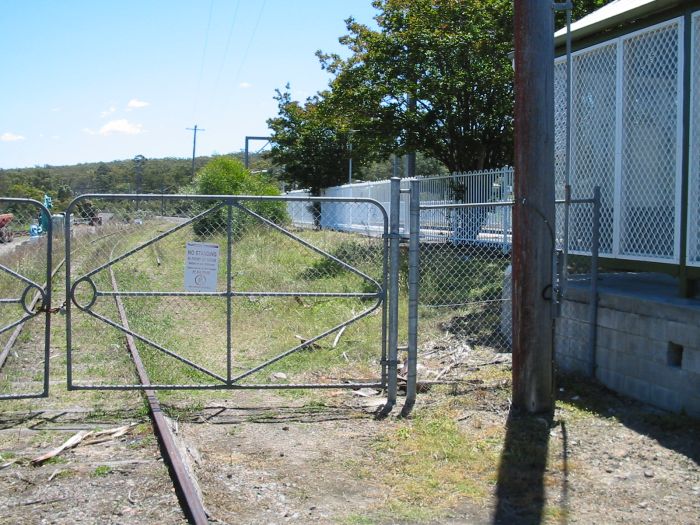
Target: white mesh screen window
<point x="694" y="183"/>
<point x="651" y="98"/>
<point x="593" y="143"/>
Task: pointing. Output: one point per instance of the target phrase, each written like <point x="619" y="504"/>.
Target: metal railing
<point x="25" y="298"/>
<point x="245" y="264"/>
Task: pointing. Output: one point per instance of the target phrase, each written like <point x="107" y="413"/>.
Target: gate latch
<point x="42" y="308"/>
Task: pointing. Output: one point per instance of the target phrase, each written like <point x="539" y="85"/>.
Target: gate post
<point x="593" y="299"/>
<point x="229" y="296"/>
<point x="413" y="277"/>
<point x="392" y="361"/>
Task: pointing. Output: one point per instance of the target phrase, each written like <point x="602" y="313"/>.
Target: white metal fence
<point x="486" y="225"/>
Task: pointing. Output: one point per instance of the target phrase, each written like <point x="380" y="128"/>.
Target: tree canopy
<point x="450" y="58"/>
<point x="434" y="77"/>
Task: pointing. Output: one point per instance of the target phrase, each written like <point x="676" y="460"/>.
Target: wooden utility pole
<point x="533" y="213"/>
<point x="194" y="144"/>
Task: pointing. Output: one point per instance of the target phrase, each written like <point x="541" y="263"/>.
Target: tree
<point x="451" y="58"/>
<point x="102" y="178"/>
<point x="436" y="77"/>
<point x="310" y="146"/>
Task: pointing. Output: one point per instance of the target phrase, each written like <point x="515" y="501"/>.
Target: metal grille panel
<point x="626" y="138"/>
<point x="593" y="143"/>
<point x="694" y="183"/>
<point x="559" y="128"/>
<point x="650" y="140"/>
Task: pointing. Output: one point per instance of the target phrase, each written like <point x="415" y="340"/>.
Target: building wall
<point x="648" y="347"/>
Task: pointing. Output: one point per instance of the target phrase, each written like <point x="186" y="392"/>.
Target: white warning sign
<point x="201" y="266"/>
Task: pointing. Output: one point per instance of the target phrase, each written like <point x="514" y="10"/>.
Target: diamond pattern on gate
<point x="649" y="150"/>
<point x="694" y="183"/>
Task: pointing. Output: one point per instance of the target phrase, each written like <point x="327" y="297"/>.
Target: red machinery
<point x="6" y="234"/>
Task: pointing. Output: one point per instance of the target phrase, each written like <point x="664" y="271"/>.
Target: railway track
<point x="185" y="487"/>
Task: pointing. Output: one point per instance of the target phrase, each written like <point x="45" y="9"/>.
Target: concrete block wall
<point x="648" y="347"/>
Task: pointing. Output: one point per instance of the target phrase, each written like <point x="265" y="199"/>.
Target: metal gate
<point x="227" y="292"/>
<point x="25" y="298"/>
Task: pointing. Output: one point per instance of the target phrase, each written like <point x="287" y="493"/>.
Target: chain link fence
<point x="227" y="292"/>
<point x="465" y="279"/>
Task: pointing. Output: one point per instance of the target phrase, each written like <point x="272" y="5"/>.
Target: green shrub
<point x="228" y="176"/>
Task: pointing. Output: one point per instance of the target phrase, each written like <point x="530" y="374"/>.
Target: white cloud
<point x="10" y="137"/>
<point x="108" y="111"/>
<point x="245" y="85"/>
<point x="122" y="126"/>
<point x="135" y="103"/>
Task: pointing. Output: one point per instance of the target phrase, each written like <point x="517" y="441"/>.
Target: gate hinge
<point x="391" y="236"/>
<point x="391" y="362"/>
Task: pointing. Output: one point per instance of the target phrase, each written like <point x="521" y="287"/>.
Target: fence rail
<point x="490" y="223"/>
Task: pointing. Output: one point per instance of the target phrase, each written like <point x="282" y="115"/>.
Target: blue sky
<point x="93" y="80"/>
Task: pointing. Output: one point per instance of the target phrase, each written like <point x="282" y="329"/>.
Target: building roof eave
<point x="612" y="15"/>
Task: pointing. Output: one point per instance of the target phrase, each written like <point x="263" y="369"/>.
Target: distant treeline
<point x="62" y="183"/>
<point x="166" y="175"/>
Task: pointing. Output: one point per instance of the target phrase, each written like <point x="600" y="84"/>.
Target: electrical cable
<point x="201" y="67"/>
<point x="226" y="48"/>
<point x="250" y="42"/>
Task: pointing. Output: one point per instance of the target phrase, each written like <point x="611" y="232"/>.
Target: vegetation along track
<point x="185" y="488"/>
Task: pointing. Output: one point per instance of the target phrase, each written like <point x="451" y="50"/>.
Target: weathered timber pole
<point x="533" y="214"/>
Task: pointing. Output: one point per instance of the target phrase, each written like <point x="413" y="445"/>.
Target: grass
<point x="102" y="471"/>
<point x="262" y="327"/>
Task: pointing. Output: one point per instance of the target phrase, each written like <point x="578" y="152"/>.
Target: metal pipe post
<point x="69" y="347"/>
<point x="593" y="300"/>
<point x="567" y="182"/>
<point x="229" y="287"/>
<point x="413" y="278"/>
<point x="392" y="362"/>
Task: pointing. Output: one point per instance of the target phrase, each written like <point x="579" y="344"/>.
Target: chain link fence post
<point x="413" y="277"/>
<point x="394" y="214"/>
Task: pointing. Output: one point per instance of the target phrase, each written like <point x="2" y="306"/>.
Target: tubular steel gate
<point x="223" y="292"/>
<point x="25" y="298"/>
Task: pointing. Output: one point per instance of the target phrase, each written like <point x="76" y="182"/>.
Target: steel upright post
<point x="413" y="278"/>
<point x="593" y="299"/>
<point x="533" y="224"/>
<point x="395" y="204"/>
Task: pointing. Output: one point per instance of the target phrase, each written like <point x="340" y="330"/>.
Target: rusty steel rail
<point x="185" y="488"/>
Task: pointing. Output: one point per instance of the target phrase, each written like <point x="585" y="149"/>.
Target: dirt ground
<point x="323" y="457"/>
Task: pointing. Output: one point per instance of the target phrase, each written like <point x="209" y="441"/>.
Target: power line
<point x="226" y="48"/>
<point x="204" y="54"/>
<point x="250" y="42"/>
